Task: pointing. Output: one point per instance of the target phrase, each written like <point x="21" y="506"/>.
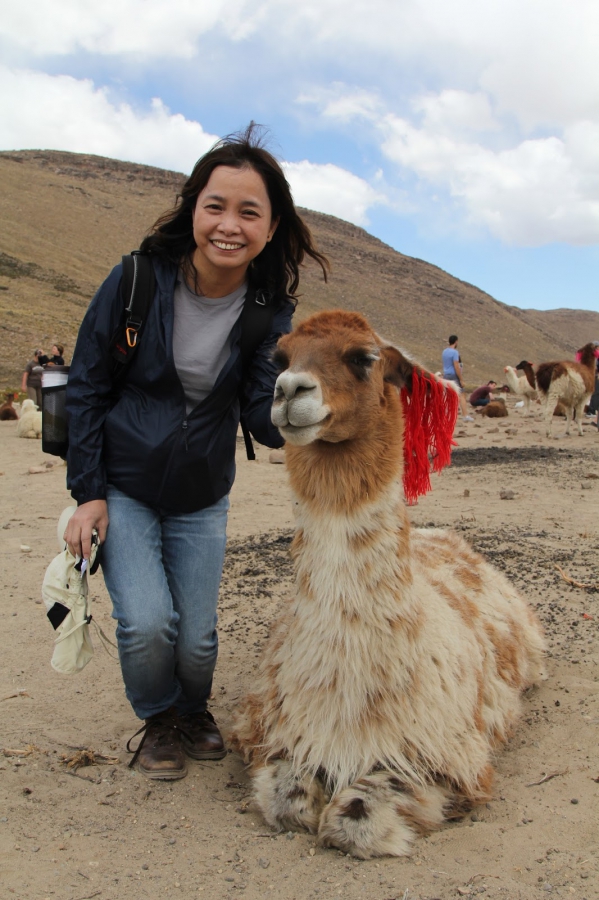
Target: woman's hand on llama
<point x="78" y="533"/>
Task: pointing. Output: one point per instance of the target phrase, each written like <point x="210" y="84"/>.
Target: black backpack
<point x="138" y="286"/>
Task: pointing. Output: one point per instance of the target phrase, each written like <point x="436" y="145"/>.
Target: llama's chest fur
<point x="384" y="649"/>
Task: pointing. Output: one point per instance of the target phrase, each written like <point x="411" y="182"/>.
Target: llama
<point x="30" y="423"/>
<point x="569" y="383"/>
<point x="7" y="410"/>
<point x="523" y="385"/>
<point x="389" y="680"/>
<point x="495" y="409"/>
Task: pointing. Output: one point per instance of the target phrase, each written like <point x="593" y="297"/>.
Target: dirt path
<point x="106" y="832"/>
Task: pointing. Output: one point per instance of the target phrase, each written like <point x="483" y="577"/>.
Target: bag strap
<point x="256" y="323"/>
<point x="138" y="286"/>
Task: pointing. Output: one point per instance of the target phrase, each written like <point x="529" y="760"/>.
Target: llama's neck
<point x="513" y="380"/>
<point x="364" y="570"/>
<point x="342" y="477"/>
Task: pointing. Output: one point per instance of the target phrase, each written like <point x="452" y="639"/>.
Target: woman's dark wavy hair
<point x="276" y="268"/>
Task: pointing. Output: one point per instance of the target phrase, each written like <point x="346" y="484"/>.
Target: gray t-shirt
<point x="202" y="338"/>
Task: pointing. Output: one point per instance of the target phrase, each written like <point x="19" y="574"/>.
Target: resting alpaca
<point x="30" y="423"/>
<point x="389" y="680"/>
<point x="523" y="385"/>
<point x="569" y="383"/>
<point x="7" y="410"/>
<point x="495" y="409"/>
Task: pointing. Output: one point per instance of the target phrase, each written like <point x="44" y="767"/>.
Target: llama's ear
<point x="398" y="368"/>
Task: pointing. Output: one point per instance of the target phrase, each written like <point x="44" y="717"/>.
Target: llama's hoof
<point x="289" y="802"/>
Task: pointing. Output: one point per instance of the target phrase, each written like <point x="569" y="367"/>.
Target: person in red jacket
<point x="483" y="394"/>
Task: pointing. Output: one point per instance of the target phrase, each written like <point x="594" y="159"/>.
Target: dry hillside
<point x="66" y="218"/>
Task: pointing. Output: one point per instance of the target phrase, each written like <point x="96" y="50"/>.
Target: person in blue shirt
<point x="452" y="371"/>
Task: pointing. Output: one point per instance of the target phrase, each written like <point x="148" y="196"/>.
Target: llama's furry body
<point x="495" y="409"/>
<point x="569" y="383"/>
<point x="396" y="670"/>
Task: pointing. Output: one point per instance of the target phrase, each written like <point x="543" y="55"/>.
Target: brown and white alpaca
<point x="569" y="383"/>
<point x="394" y="673"/>
<point x="523" y="385"/>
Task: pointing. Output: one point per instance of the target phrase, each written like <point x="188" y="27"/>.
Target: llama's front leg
<point x="380" y="816"/>
<point x="288" y="802"/>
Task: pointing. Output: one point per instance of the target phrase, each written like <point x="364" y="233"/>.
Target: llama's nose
<point x="289" y="384"/>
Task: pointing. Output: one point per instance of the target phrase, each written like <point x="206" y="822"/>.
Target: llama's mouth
<point x="300" y="435"/>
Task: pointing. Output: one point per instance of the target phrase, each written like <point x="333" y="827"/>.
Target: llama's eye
<point x="360" y="363"/>
<point x="280" y="360"/>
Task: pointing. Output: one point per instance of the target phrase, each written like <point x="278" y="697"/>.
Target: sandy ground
<point x="106" y="832"/>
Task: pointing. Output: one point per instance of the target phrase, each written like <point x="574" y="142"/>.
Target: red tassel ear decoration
<point x="430" y="413"/>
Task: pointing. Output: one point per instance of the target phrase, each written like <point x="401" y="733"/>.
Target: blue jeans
<point x="163" y="575"/>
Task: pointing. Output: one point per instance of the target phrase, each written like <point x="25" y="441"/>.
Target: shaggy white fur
<point x="30" y="422"/>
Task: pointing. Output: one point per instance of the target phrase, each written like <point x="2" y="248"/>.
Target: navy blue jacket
<point x="141" y="440"/>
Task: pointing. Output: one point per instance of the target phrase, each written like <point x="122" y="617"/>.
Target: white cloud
<point x="149" y="27"/>
<point x="537" y="192"/>
<point x="332" y="190"/>
<point x="341" y="103"/>
<point x="60" y="112"/>
<point x="453" y="111"/>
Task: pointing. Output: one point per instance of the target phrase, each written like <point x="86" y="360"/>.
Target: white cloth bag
<point x="65" y="594"/>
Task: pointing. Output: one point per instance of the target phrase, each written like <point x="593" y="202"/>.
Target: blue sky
<point x="463" y="132"/>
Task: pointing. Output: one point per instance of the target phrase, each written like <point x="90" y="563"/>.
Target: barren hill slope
<point x="66" y="219"/>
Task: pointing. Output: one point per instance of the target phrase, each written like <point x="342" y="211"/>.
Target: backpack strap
<point x="138" y="286"/>
<point x="256" y="322"/>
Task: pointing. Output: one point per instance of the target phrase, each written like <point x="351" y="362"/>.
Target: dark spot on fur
<point x="297" y="791"/>
<point x="355" y="809"/>
<point x="395" y="784"/>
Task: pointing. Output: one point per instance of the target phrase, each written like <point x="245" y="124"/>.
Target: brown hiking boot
<point x="200" y="736"/>
<point x="159" y="753"/>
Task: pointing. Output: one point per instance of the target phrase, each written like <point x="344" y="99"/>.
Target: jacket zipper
<point x="184" y="427"/>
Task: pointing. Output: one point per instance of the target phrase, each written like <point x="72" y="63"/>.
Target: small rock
<point x="466" y="493"/>
<point x="474" y="818"/>
<point x="277" y="457"/>
<point x="574" y="801"/>
<point x="37" y="470"/>
<point x="290" y="835"/>
<point x="25" y="548"/>
<point x="493" y="431"/>
<point x="263" y="863"/>
<point x="506" y="495"/>
<point x="311" y="851"/>
<point x="145" y="867"/>
<point x="586" y="487"/>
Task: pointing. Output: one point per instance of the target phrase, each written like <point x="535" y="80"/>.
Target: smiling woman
<point x="151" y="469"/>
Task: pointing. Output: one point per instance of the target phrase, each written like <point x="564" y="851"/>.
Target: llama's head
<point x="336" y="373"/>
<point x="341" y="382"/>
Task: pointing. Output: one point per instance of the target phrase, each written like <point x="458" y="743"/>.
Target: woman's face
<point x="232" y="223"/>
<point x="55" y="350"/>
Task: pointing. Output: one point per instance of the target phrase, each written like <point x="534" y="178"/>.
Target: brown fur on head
<point x="357" y="371"/>
<point x="355" y="376"/>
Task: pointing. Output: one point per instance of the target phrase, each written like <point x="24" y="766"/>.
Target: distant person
<point x="452" y="371"/>
<point x="483" y="394"/>
<point x="32" y="377"/>
<point x="57" y="358"/>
